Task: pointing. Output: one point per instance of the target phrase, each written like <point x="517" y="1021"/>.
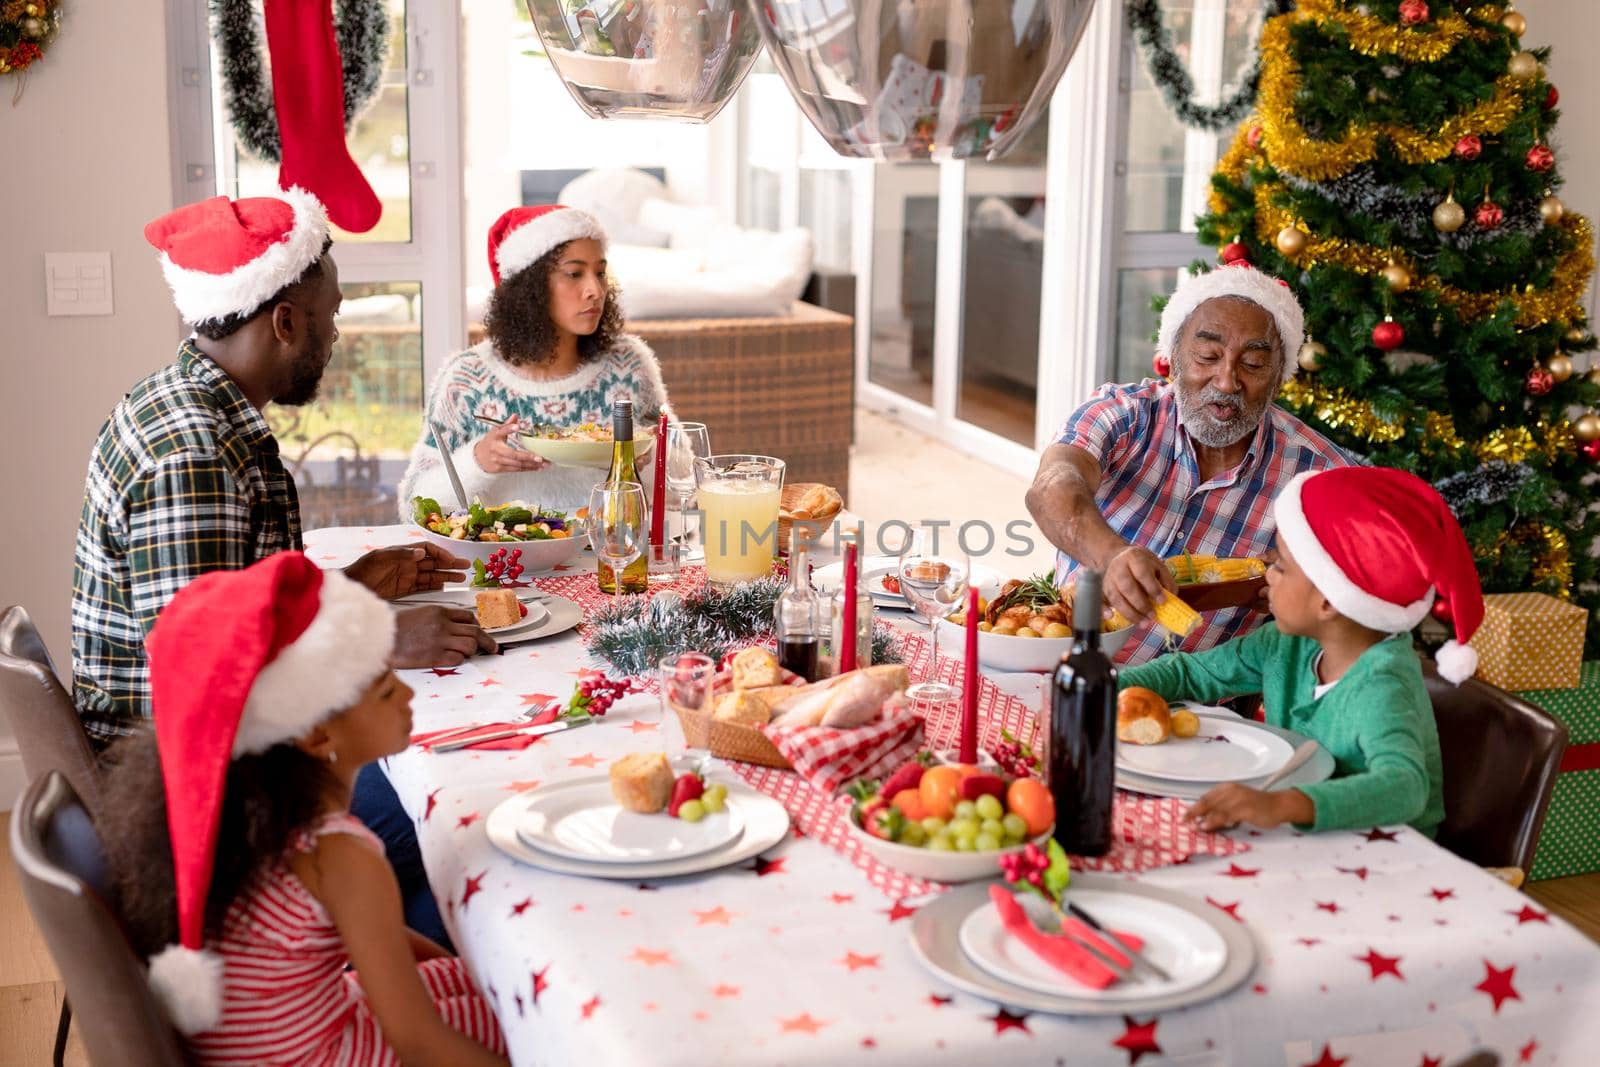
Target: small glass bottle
<point x="798" y="617"/>
<point x="858" y="630"/>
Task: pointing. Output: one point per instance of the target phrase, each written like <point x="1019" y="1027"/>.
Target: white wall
<point x="86" y="167"/>
<point x="1569" y="27"/>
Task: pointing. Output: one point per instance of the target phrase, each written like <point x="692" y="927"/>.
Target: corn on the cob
<point x="1233" y="570"/>
<point x="1177" y="616"/>
<point x="1188" y="567"/>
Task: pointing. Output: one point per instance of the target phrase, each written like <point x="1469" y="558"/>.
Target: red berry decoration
<point x="1388" y="335"/>
<point x="1488" y="215"/>
<point x="1413" y="12"/>
<point x="1161" y="365"/>
<point x="1540" y="158"/>
<point x="1540" y="380"/>
<point x="1469" y="147"/>
<point x="1235" y="252"/>
<point x="1591" y="451"/>
<point x="1552" y="98"/>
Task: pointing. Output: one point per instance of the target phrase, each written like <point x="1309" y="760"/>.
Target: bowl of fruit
<point x="542" y="537"/>
<point x="1028" y="627"/>
<point x="949" y="822"/>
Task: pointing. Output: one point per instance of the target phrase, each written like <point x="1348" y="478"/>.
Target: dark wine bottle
<point x="1083" y="730"/>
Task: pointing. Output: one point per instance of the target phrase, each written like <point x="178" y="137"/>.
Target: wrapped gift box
<point x="1570" y="840"/>
<point x="1530" y="641"/>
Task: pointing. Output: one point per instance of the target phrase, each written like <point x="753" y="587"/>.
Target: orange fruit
<point x="909" y="803"/>
<point x="939" y="789"/>
<point x="1029" y="798"/>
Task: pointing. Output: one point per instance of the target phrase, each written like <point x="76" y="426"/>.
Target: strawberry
<point x="522" y="610"/>
<point x="976" y="785"/>
<point x="881" y="820"/>
<point x="688" y="787"/>
<point x="906" y="777"/>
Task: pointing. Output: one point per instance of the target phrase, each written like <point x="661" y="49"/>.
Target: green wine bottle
<point x="636" y="575"/>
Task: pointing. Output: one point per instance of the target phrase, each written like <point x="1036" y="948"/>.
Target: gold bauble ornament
<point x="1311" y="356"/>
<point x="1449" y="216"/>
<point x="1577" y="335"/>
<point x="1594" y="374"/>
<point x="1559" y="366"/>
<point x="1398" y="277"/>
<point x="1513" y="21"/>
<point x="1291" y="240"/>
<point x="33" y="9"/>
<point x="1524" y="65"/>
<point x="1551" y="209"/>
<point x="1586" y="427"/>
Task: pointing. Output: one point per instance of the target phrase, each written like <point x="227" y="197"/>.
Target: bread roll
<point x="642" y="782"/>
<point x="754" y="668"/>
<point x="741" y="709"/>
<point x="820" y="502"/>
<point x="1142" y="717"/>
<point x="845" y="700"/>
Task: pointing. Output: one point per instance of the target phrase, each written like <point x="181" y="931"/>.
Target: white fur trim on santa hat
<point x="188" y="983"/>
<point x="324" y="670"/>
<point x="204" y="297"/>
<point x="524" y="245"/>
<point x="1456" y="661"/>
<point x="1243" y="282"/>
<point x="1352" y="601"/>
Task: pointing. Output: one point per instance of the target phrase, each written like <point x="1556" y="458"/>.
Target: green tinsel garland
<point x="1177" y="88"/>
<point x="635" y="636"/>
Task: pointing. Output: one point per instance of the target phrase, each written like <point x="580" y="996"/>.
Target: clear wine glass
<point x="686" y="442"/>
<point x="617" y="530"/>
<point x="935" y="585"/>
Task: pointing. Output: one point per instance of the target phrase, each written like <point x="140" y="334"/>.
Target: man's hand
<point x="1135" y="582"/>
<point x="406" y="569"/>
<point x="1229" y="805"/>
<point x="497" y="455"/>
<point x="437" y="636"/>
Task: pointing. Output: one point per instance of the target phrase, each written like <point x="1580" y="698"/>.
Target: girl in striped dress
<point x="254" y="892"/>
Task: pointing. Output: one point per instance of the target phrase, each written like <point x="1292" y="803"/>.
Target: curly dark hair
<point x="219" y="329"/>
<point x="266" y="798"/>
<point x="518" y="317"/>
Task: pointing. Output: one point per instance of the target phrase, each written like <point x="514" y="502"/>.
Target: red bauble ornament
<point x="1469" y="147"/>
<point x="1489" y="215"/>
<point x="1552" y="98"/>
<point x="1540" y="381"/>
<point x="1388" y="335"/>
<point x="1254" y="136"/>
<point x="1161" y="365"/>
<point x="1235" y="252"/>
<point x="1591" y="451"/>
<point x="1540" y="158"/>
<point x="1413" y="12"/>
<point x="1441" y="611"/>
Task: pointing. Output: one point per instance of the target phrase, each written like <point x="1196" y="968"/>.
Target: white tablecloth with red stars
<point x="1375" y="948"/>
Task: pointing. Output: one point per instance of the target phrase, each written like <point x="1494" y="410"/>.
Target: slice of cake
<point x="642" y="782"/>
<point x="498" y="607"/>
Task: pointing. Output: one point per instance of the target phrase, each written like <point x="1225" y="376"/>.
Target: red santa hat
<point x="1241" y="280"/>
<point x="520" y="236"/>
<point x="241" y="661"/>
<point x="1382" y="545"/>
<point x="228" y="257"/>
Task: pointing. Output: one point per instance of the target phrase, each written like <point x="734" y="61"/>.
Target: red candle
<point x="968" y="752"/>
<point x="658" y="494"/>
<point x="847" y="616"/>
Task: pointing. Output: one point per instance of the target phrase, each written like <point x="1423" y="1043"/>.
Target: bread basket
<point x="789" y="501"/>
<point x="727" y="740"/>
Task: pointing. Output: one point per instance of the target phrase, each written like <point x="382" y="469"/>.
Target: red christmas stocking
<point x="308" y="95"/>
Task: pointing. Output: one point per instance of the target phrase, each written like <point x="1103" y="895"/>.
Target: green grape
<point x="941" y="843"/>
<point x="1016" y="827"/>
<point x="692" y="810"/>
<point x="966" y="844"/>
<point x="986" y="843"/>
<point x="913" y="835"/>
<point x="715" y="799"/>
<point x="932" y="824"/>
<point x="966" y="809"/>
<point x="964" y="829"/>
<point x="993" y="827"/>
<point x="989" y="807"/>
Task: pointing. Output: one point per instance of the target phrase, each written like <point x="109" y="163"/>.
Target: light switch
<point x="77" y="283"/>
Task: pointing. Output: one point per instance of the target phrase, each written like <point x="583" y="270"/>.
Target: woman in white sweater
<point x="555" y="354"/>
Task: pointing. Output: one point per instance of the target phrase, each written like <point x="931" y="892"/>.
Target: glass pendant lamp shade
<point x="676" y="59"/>
<point x="920" y="79"/>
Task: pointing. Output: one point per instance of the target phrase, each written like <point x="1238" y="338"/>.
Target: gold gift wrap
<point x="1530" y="641"/>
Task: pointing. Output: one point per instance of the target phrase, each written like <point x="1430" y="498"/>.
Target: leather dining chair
<point x="66" y="882"/>
<point x="1501" y="755"/>
<point x="49" y="733"/>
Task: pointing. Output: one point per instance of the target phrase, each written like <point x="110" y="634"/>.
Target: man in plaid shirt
<point x="1143" y="472"/>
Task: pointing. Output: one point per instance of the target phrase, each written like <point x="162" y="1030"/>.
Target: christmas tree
<point x="1399" y="174"/>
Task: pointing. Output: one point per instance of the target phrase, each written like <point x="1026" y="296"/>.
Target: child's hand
<point x="1229" y="805"/>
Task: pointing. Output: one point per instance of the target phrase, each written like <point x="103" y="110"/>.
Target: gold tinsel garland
<point x="1372" y="36"/>
<point x="1552" y="559"/>
<point x="1340" y="410"/>
<point x="1294" y="151"/>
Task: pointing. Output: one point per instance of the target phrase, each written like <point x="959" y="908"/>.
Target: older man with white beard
<point x="1144" y="472"/>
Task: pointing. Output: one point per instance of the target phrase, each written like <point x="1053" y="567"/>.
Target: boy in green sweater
<point x="1364" y="553"/>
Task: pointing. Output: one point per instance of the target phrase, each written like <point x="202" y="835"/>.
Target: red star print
<point x="1328" y="1059"/>
<point x="725" y="991"/>
<point x="855" y="962"/>
<point x="1432" y="1061"/>
<point x="718" y="916"/>
<point x="843" y="898"/>
<point x="868" y="1042"/>
<point x="1376" y="834"/>
<point x="1381" y="964"/>
<point x="474" y="886"/>
<point x="1530" y="915"/>
<point x="1137" y="1039"/>
<point x="1442" y="894"/>
<point x="765" y="866"/>
<point x="433" y="802"/>
<point x="540" y="983"/>
<point x="1329" y="906"/>
<point x="488" y="682"/>
<point x="1309" y="941"/>
<point x="1525" y="1053"/>
<point x="1236" y="871"/>
<point x="442" y="672"/>
<point x="529" y="699"/>
<point x="522" y="905"/>
<point x="1497" y="984"/>
<point x="588" y="759"/>
<point x="802" y="1023"/>
<point x="590" y="1005"/>
<point x="1231" y="909"/>
<point x="900" y="911"/>
<point x="643" y="727"/>
<point x="651" y="957"/>
<point x="521" y="785"/>
<point x="1003" y="1020"/>
<point x="939" y="1002"/>
<point x="1359" y="872"/>
<point x="466" y="820"/>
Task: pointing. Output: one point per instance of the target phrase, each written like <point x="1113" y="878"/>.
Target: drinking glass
<point x="617" y="530"/>
<point x="686" y="443"/>
<point x="934" y="584"/>
<point x="686" y="684"/>
<point x="739" y="500"/>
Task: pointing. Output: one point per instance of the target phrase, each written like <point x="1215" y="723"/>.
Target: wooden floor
<point x="30" y="995"/>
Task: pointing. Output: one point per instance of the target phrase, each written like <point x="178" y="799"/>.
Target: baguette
<point x="844" y="701"/>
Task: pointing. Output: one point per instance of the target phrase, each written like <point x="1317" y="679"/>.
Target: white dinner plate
<point x="464" y="596"/>
<point x="580" y="819"/>
<point x="1175" y="939"/>
<point x="765" y="824"/>
<point x="1222" y="751"/>
<point x="873" y="570"/>
<point x="1319" y="768"/>
<point x="935" y="941"/>
<point x="562" y="615"/>
<point x="537" y="616"/>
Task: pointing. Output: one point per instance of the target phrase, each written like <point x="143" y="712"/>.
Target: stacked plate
<point x="547" y="613"/>
<point x="1227" y="749"/>
<point x="874" y="569"/>
<point x="959" y="938"/>
<point x="577" y="827"/>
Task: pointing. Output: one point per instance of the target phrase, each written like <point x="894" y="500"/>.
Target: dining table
<point x="1373" y="946"/>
